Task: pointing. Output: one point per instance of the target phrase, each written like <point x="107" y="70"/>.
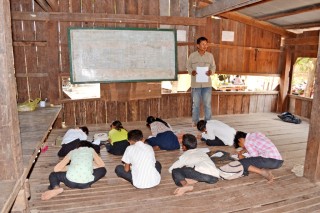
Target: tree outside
<point x="303" y="77"/>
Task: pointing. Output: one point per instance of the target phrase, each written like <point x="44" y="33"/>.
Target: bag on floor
<point x="290" y="118"/>
<point x="231" y="170"/>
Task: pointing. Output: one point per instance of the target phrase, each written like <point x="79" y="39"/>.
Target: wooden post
<point x="11" y="165"/>
<point x="53" y="61"/>
<point x="284" y="81"/>
<point x="10" y="149"/>
<point x="311" y="165"/>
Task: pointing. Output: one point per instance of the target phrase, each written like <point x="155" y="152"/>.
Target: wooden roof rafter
<point x="48" y="5"/>
<point x="302" y="26"/>
<point x="223" y="6"/>
<point x="290" y="12"/>
<point x="44" y="5"/>
<point x="256" y="23"/>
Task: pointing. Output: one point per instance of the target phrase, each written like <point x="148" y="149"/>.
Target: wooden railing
<point x="300" y="106"/>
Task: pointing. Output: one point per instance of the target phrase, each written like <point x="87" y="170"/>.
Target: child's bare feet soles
<point x="47" y="195"/>
<point x="267" y="174"/>
<point x="191" y="181"/>
<point x="181" y="190"/>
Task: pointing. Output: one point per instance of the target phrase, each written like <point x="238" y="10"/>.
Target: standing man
<point x="201" y="66"/>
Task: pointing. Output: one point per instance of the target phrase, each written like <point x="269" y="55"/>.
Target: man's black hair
<point x="238" y="135"/>
<point x="135" y="135"/>
<point x="201" y="125"/>
<point x="84" y="129"/>
<point x="201" y="39"/>
<point x="189" y="141"/>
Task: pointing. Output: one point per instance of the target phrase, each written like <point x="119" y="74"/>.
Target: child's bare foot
<point x="191" y="181"/>
<point x="181" y="190"/>
<point x="267" y="174"/>
<point x="47" y="195"/>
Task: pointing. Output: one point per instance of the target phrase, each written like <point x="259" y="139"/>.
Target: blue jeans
<point x="198" y="93"/>
<point x="261" y="163"/>
<point x="180" y="174"/>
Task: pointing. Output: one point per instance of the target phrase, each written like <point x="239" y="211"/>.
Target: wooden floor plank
<point x="111" y="194"/>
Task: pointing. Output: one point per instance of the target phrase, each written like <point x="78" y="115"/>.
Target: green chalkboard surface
<point x="122" y="55"/>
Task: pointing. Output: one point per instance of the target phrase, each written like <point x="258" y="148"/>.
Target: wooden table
<point x="35" y="127"/>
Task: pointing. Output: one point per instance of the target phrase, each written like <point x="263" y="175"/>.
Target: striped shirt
<point x="257" y="144"/>
<point x="142" y="159"/>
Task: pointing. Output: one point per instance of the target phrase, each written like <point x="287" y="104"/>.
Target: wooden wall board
<point x="298" y="105"/>
<point x="133" y="111"/>
<point x="144" y="109"/>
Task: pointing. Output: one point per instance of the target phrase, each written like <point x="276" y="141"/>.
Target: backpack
<point x="231" y="171"/>
<point x="290" y="118"/>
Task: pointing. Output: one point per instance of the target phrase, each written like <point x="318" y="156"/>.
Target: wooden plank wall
<point x="254" y="51"/>
<point x="96" y="111"/>
<point x="300" y="106"/>
<point x="41" y="56"/>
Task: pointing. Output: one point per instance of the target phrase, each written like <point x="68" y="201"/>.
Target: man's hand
<point x="193" y="73"/>
<point x="209" y="72"/>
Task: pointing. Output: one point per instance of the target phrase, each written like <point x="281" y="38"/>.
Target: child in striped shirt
<point x="264" y="155"/>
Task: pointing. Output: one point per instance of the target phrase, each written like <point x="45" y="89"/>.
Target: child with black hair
<point x="117" y="139"/>
<point x="86" y="167"/>
<point x="162" y="137"/>
<point x="140" y="166"/>
<point x="72" y="138"/>
<point x="264" y="155"/>
<point x="193" y="166"/>
<point x="216" y="133"/>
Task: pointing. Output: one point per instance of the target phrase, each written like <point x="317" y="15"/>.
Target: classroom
<point x="90" y="63"/>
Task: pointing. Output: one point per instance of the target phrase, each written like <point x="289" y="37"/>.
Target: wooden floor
<point x="252" y="193"/>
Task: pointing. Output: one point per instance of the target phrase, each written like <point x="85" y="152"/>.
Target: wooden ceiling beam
<point x="302" y="26"/>
<point x="223" y="6"/>
<point x="256" y="23"/>
<point x="290" y="12"/>
<point x="44" y="5"/>
<point x="111" y="18"/>
<point x="311" y="40"/>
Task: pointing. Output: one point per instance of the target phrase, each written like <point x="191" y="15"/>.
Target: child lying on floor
<point x="193" y="166"/>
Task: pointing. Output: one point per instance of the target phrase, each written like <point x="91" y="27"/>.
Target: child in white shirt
<point x="193" y="166"/>
<point x="140" y="166"/>
<point x="216" y="133"/>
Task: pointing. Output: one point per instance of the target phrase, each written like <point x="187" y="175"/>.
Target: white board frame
<point x="122" y="55"/>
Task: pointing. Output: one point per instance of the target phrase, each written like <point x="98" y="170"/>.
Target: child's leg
<point x="51" y="193"/>
<point x="264" y="172"/>
<point x="98" y="173"/>
<point x="180" y="175"/>
<point x="186" y="177"/>
<point x="119" y="170"/>
<point x="216" y="142"/>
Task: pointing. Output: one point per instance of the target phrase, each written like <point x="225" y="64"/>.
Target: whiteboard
<point x="122" y="55"/>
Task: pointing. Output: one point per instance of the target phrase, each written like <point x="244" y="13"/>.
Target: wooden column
<point x="10" y="146"/>
<point x="53" y="61"/>
<point x="311" y="165"/>
<point x="284" y="81"/>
